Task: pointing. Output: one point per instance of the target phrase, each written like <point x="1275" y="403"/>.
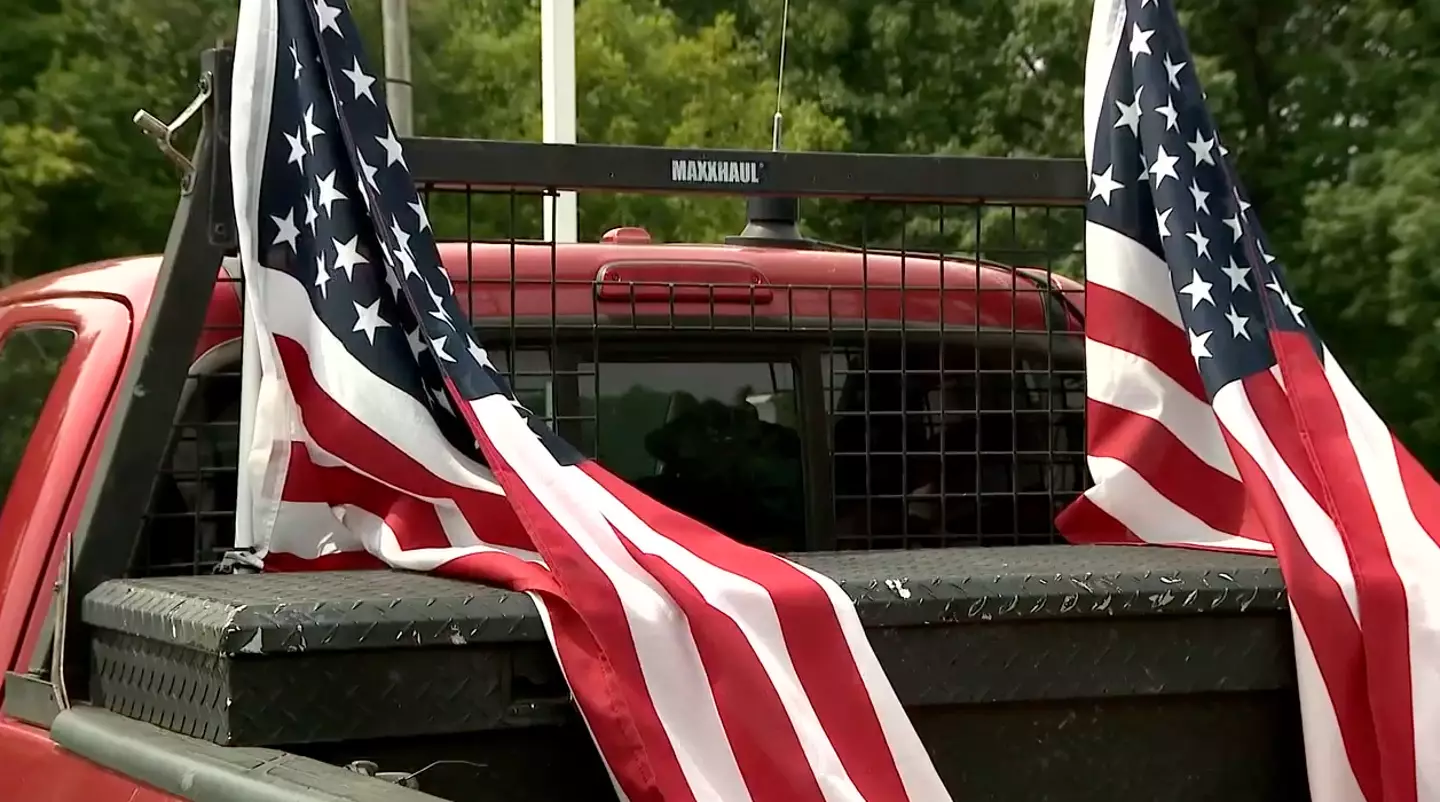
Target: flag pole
<point x="557" y="89"/>
<point x="395" y="20"/>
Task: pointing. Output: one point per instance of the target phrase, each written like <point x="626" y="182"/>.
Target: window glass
<point x="30" y="360"/>
<point x="717" y="441"/>
<point x="944" y="447"/>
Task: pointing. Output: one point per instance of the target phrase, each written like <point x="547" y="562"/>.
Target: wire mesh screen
<point x="906" y="376"/>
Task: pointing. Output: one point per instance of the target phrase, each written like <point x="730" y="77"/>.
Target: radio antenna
<point x="775" y="133"/>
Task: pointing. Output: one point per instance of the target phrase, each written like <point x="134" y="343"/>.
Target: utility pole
<point x="395" y="18"/>
<point x="557" y="90"/>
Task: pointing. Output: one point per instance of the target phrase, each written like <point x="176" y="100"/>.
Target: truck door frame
<point x="40" y="510"/>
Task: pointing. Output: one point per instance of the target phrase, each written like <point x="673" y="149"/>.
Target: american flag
<point x="1219" y="419"/>
<point x="382" y="435"/>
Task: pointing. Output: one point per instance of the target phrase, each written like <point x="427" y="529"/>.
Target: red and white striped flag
<point x="1218" y="419"/>
<point x="383" y="436"/>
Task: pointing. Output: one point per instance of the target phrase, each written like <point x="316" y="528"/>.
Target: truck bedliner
<point x="1156" y="667"/>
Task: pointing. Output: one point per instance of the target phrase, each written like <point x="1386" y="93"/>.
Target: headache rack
<point x="848" y="351"/>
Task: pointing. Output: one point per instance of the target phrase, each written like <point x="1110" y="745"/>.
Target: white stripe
<point x="1107" y="22"/>
<point x="1123" y="493"/>
<point x="1122" y="379"/>
<point x="1330" y="776"/>
<point x="917" y="771"/>
<point x="669" y="660"/>
<point x="750" y="606"/>
<point x="1416" y="559"/>
<point x="266" y="454"/>
<point x="378" y="405"/>
<point x="310" y="530"/>
<point x="1316" y="531"/>
<point x="1118" y="263"/>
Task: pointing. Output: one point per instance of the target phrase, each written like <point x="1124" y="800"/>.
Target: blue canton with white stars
<point x="1161" y="177"/>
<point x="338" y="211"/>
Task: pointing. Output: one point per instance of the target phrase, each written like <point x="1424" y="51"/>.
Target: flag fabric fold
<point x="1217" y="418"/>
<point x="384" y="436"/>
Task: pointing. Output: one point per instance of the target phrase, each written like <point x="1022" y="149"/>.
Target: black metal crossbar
<point x="631" y="168"/>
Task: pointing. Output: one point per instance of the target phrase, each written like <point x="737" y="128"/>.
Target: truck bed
<point x="1167" y="672"/>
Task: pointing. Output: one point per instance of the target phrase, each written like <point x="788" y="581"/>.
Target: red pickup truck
<point x="666" y="319"/>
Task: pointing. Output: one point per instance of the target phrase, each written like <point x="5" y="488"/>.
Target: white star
<point x="1237" y="274"/>
<point x="1201" y="147"/>
<point x="438" y="312"/>
<point x="360" y="81"/>
<point x="437" y="345"/>
<point x="1163" y="167"/>
<point x="441" y="399"/>
<point x="476" y="352"/>
<point x="1171" y="115"/>
<point x="1224" y="151"/>
<point x="1144" y="3"/>
<point x="1236" y="227"/>
<point x="328" y="14"/>
<point x="402" y="237"/>
<point x="419" y="209"/>
<point x="1202" y="243"/>
<point x="347" y="256"/>
<point x="311" y="213"/>
<point x="1263" y="255"/>
<point x="393" y="153"/>
<point x="1201" y="197"/>
<point x="1199" y="290"/>
<point x="297" y="149"/>
<point x="288" y="233"/>
<point x="1130" y="114"/>
<point x="1104" y="184"/>
<point x="1174" y="70"/>
<point x="1244" y="205"/>
<point x="1237" y="323"/>
<point x="1295" y="309"/>
<point x="322" y="275"/>
<point x="392" y="282"/>
<point x="1162" y="219"/>
<point x="417" y="345"/>
<point x="368" y="319"/>
<point x="1198" y="349"/>
<point x="368" y="171"/>
<point x="311" y="129"/>
<point x="1139" y="42"/>
<point x="406" y="262"/>
<point x="296" y="56"/>
<point x="328" y="193"/>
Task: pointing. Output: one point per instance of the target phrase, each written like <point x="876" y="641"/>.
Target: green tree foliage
<point x="1328" y="108"/>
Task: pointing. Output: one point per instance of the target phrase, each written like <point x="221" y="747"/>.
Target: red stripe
<point x="813" y="638"/>
<point x="1421" y="489"/>
<point x="1171" y="467"/>
<point x="1384" y="615"/>
<point x="1333" y="635"/>
<point x="627" y="727"/>
<point x="1272" y="407"/>
<point x="759" y="730"/>
<point x="340" y="561"/>
<point x="414" y="522"/>
<point x="1085" y="523"/>
<point x="340" y="434"/>
<point x="1119" y="321"/>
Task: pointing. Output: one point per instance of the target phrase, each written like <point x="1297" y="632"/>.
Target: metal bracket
<point x="164" y="134"/>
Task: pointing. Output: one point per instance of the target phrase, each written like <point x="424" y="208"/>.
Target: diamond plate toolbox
<point x="291" y="659"/>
